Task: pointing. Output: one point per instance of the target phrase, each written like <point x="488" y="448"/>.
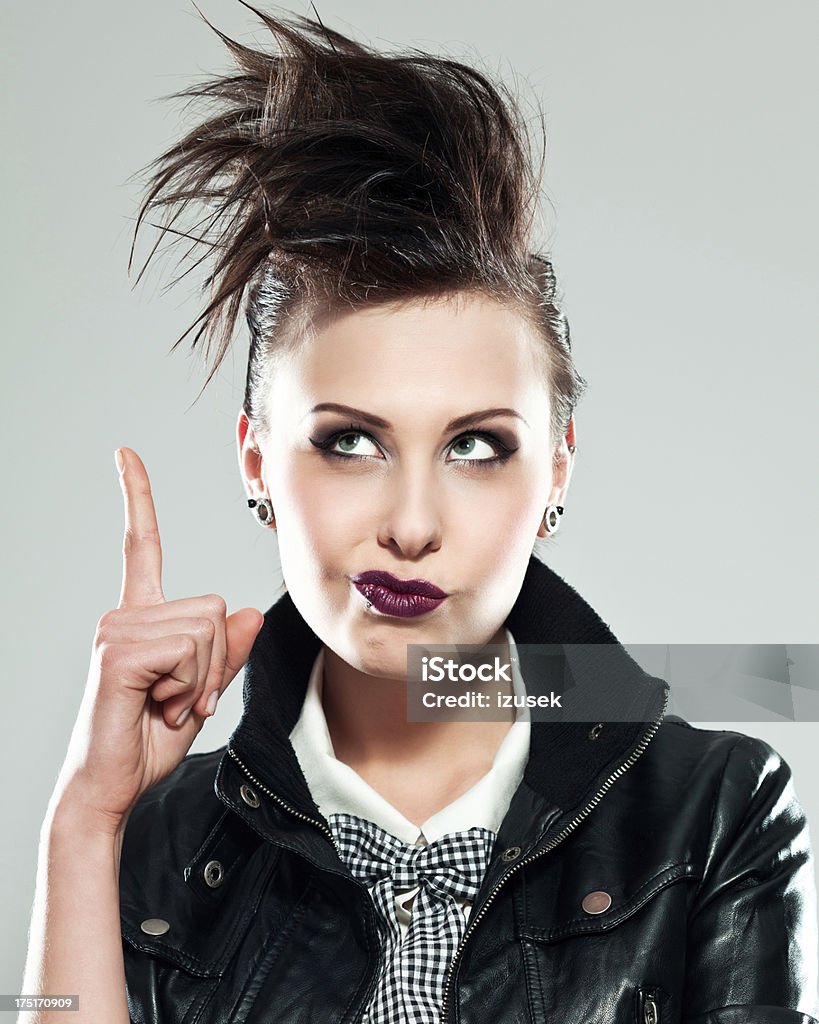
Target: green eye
<point x="348" y="442"/>
<point x="468" y="442"/>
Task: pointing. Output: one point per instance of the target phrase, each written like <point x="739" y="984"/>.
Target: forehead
<point x="418" y="354"/>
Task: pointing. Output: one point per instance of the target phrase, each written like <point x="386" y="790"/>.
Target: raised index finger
<point x="141" y="548"/>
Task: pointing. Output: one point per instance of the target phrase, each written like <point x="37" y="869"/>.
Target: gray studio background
<point x="681" y="212"/>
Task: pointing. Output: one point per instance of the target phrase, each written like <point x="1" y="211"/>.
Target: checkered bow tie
<point x="450" y="869"/>
<point x="453" y="865"/>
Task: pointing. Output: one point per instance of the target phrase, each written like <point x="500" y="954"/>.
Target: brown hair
<point x="328" y="175"/>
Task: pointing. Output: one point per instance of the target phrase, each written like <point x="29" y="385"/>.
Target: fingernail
<point x="211" y="705"/>
<point x="183" y="716"/>
<point x="119" y="459"/>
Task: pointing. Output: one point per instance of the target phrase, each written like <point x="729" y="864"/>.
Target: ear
<point x="561" y="472"/>
<point x="250" y="458"/>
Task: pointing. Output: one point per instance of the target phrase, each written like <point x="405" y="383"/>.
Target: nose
<point x="412" y="520"/>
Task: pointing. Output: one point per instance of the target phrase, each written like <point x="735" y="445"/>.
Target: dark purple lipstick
<point x="394" y="596"/>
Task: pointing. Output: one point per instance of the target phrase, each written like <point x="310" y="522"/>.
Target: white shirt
<point x="338" y="788"/>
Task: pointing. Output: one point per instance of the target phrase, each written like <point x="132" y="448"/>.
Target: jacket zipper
<point x="291" y="810"/>
<point x="323" y="828"/>
<point x="648" y="735"/>
<point x="651" y="1013"/>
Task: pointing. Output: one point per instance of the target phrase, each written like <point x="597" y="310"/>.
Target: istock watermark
<point x="612" y="682"/>
<point x="470" y="682"/>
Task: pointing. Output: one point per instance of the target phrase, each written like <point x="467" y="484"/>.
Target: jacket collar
<point x="568" y="761"/>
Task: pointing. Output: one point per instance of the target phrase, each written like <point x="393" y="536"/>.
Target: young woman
<point x="407" y="435"/>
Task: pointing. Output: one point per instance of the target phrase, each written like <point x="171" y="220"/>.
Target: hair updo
<point x="328" y="176"/>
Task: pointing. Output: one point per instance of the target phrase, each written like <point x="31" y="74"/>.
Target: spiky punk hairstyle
<point x="327" y="176"/>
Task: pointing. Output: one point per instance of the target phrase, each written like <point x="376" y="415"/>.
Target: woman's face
<point x="384" y="480"/>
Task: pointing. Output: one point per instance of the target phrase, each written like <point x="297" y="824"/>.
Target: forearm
<point x="75" y="943"/>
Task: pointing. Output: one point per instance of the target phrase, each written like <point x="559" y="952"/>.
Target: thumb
<point x="241" y="629"/>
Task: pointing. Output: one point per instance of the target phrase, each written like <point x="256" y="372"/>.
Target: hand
<point x="154" y="666"/>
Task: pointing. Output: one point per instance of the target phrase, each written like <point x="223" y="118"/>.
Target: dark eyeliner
<point x="327" y="442"/>
<point x="325" y="445"/>
<point x="490" y="438"/>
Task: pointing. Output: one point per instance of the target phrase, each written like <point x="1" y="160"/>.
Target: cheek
<point x="323" y="506"/>
<point x="502" y="510"/>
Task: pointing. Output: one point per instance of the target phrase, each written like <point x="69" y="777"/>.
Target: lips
<point x="394" y="596"/>
<point x="380" y="578"/>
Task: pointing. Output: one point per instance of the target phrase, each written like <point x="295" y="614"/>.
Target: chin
<point x="383" y="661"/>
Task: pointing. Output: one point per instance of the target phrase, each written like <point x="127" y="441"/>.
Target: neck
<point x="367" y="721"/>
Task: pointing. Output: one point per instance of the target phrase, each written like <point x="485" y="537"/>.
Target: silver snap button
<point x="595" y="730"/>
<point x="154" y="926"/>
<point x="214" y="873"/>
<point x="250" y="796"/>
<point x="511" y="853"/>
<point x="596" y="902"/>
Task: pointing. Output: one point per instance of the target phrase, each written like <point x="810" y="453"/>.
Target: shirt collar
<point x="338" y="788"/>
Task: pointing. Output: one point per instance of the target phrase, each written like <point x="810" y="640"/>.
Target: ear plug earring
<point x="264" y="510"/>
<point x="551" y="519"/>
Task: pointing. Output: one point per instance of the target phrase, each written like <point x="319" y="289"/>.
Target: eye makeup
<point x="326" y="443"/>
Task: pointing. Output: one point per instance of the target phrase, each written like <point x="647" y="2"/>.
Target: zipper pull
<point x="651" y="1013"/>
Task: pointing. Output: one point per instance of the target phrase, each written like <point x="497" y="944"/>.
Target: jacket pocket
<point x="194" y="915"/>
<point x="603" y="951"/>
<point x="573" y="919"/>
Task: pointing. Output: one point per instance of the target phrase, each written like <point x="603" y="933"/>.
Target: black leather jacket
<point x="236" y="907"/>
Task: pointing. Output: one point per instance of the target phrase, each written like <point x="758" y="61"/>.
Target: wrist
<point x="70" y="817"/>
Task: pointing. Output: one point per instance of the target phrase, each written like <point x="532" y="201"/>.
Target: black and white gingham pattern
<point x="411" y="984"/>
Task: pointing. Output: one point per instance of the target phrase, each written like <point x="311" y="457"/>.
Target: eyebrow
<point x="459" y="421"/>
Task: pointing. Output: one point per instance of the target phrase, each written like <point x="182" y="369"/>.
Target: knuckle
<point x="134" y="538"/>
<point x="104" y="621"/>
<point x="216" y="604"/>
<point x="206" y="627"/>
<point x="188" y="646"/>
<point x="109" y="655"/>
<point x="107" y="617"/>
